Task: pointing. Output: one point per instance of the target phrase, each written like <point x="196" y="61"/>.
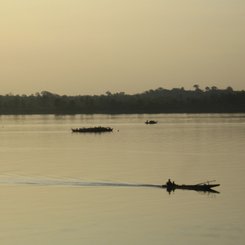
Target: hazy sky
<point x="92" y="46"/>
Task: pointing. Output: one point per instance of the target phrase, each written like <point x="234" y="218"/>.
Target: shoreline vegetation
<point x="160" y="100"/>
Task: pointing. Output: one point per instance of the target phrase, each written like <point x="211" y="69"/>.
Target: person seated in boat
<point x="169" y="183"/>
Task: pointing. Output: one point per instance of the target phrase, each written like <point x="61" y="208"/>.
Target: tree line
<point x="160" y="100"/>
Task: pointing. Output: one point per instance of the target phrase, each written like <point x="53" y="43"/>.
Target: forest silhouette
<point x="160" y="100"/>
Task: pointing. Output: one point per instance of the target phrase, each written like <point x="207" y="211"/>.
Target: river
<point x="59" y="187"/>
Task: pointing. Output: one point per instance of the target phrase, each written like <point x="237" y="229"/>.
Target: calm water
<point x="58" y="187"/>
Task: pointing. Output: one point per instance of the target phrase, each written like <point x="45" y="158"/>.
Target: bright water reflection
<point x="58" y="187"/>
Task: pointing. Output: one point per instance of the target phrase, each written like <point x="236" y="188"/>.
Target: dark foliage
<point x="212" y="100"/>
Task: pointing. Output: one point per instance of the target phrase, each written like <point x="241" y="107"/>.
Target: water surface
<point x="59" y="187"/>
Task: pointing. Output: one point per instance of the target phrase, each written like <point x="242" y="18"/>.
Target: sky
<point x="93" y="46"/>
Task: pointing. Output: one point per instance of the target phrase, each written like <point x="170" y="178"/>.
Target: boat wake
<point x="68" y="183"/>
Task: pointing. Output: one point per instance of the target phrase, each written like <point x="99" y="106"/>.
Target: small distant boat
<point x="92" y="130"/>
<point x="150" y="122"/>
<point x="204" y="187"/>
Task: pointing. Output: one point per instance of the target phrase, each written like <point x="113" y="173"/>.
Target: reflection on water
<point x="59" y="188"/>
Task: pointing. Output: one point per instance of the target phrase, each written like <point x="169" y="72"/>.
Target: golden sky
<point x="92" y="46"/>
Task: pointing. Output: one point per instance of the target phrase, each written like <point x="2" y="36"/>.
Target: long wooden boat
<point x="198" y="187"/>
<point x="92" y="130"/>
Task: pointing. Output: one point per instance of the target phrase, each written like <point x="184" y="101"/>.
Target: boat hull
<point x="204" y="187"/>
<point x="151" y="122"/>
<point x="92" y="130"/>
